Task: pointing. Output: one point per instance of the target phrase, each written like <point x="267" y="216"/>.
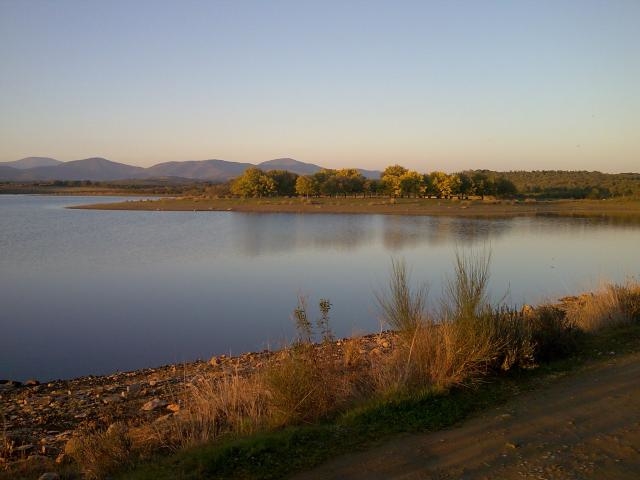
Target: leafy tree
<point x="285" y="182"/>
<point x="465" y="186"/>
<point x="253" y="183"/>
<point x="306" y="185"/>
<point x="391" y="179"/>
<point x="350" y="181"/>
<point x="505" y="187"/>
<point x="440" y="184"/>
<point x="482" y="184"/>
<point x="410" y="184"/>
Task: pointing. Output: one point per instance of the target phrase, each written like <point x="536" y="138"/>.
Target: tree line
<point x="396" y="181"/>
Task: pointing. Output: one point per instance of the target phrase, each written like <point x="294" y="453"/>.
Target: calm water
<point x="91" y="292"/>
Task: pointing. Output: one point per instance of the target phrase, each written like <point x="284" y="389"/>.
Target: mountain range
<point x="100" y="169"/>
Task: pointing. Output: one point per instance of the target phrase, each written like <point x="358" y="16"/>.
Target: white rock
<point x="153" y="404"/>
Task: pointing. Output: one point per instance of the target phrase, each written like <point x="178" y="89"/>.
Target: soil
<point x="582" y="426"/>
<point x="613" y="210"/>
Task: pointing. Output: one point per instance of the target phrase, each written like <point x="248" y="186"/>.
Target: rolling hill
<point x="212" y="170"/>
<point x="31" y="162"/>
<point x="101" y="169"/>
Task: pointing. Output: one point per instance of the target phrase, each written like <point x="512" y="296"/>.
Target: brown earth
<point x="582" y="426"/>
<point x="616" y="209"/>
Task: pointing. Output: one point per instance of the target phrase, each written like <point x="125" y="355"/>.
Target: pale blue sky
<point x="432" y="85"/>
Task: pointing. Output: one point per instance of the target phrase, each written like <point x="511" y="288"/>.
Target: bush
<point x="553" y="335"/>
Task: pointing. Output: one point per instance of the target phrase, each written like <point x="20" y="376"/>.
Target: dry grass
<point x="101" y="453"/>
<point x="612" y="305"/>
<point x="304" y="385"/>
<point x="401" y="307"/>
<point x="214" y="407"/>
<point x="469" y="339"/>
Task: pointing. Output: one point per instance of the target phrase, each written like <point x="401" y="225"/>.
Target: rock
<point x="133" y="389"/>
<point x="111" y="399"/>
<point x="9" y="384"/>
<point x="31" y="382"/>
<point x="153" y="405"/>
<point x="49" y="476"/>
<point x="173" y="407"/>
<point x="23" y="448"/>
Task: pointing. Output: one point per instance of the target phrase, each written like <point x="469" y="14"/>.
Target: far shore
<point x="385" y="206"/>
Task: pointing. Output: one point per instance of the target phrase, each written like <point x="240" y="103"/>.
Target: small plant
<point x="303" y="325"/>
<point x="323" y="320"/>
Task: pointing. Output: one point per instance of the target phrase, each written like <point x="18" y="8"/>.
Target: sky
<point x="447" y="85"/>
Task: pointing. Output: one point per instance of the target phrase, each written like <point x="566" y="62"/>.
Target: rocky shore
<point x="39" y="419"/>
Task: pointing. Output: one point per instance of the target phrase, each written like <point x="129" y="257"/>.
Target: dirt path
<point x="585" y="426"/>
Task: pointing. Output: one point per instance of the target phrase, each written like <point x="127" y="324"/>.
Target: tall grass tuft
<point x="402" y="308"/>
<point x="465" y="294"/>
<point x="469" y="339"/>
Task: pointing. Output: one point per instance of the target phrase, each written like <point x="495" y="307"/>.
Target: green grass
<point x="280" y="453"/>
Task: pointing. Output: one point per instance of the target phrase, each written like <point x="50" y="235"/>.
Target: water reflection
<point x="93" y="291"/>
<point x="258" y="234"/>
<point x="402" y="232"/>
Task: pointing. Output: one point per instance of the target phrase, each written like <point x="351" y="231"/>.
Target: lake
<point x="92" y="292"/>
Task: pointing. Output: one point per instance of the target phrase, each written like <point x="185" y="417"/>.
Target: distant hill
<point x="31" y="162"/>
<point x="97" y="169"/>
<point x="302" y="168"/>
<point x="290" y="165"/>
<point x="370" y="174"/>
<point x="101" y="169"/>
<point x="9" y="173"/>
<point x="213" y="170"/>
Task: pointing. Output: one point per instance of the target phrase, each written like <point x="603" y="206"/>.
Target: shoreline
<point x="384" y="206"/>
<point x="40" y="418"/>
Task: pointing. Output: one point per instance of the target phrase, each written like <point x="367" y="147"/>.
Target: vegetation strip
<point x="617" y="210"/>
<point x="277" y="454"/>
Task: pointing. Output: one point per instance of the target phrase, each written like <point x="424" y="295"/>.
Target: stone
<point x="49" y="476"/>
<point x="153" y="405"/>
<point x="112" y="398"/>
<point x="133" y="389"/>
<point x="31" y="382"/>
<point x="23" y="448"/>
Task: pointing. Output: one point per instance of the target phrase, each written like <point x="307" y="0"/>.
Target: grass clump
<point x="402" y="307"/>
<point x="610" y="306"/>
<point x="304" y="383"/>
<point x="102" y="453"/>
<point x="215" y="407"/>
<point x="470" y="337"/>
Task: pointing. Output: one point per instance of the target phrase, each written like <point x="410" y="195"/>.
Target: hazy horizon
<point x="429" y="85"/>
